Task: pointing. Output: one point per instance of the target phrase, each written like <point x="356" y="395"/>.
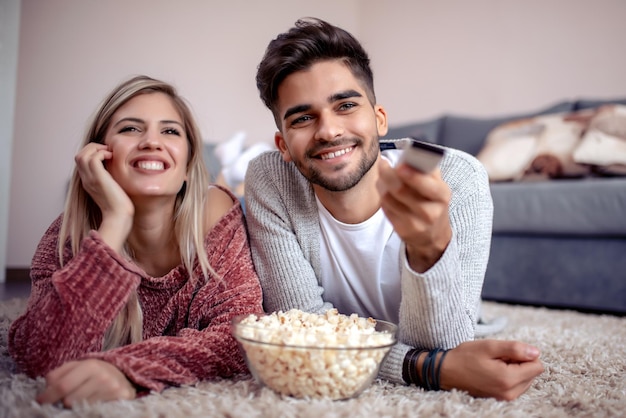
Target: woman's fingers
<point x="60" y="382"/>
<point x="91" y="157"/>
<point x="116" y="207"/>
<point x="86" y="380"/>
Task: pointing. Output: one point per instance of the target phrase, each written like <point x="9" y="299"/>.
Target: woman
<point x="135" y="284"/>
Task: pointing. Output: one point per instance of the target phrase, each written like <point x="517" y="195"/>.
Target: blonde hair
<point x="82" y="214"/>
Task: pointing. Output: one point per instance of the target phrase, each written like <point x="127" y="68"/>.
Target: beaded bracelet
<point x="409" y="367"/>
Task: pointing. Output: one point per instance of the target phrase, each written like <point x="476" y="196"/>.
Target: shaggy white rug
<point x="584" y="356"/>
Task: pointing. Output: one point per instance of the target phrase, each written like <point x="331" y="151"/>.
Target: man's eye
<point x="172" y="131"/>
<point x="347" y="106"/>
<point x="300" y="120"/>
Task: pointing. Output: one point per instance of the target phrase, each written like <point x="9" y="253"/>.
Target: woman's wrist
<point x="114" y="231"/>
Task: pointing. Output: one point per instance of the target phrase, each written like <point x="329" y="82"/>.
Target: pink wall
<point x="487" y="57"/>
<point x="480" y="58"/>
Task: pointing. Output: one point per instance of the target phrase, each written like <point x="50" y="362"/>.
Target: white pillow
<point x="506" y="157"/>
<point x="536" y="148"/>
<point x="604" y="142"/>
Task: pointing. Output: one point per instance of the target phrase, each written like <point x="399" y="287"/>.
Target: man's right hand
<point x="491" y="368"/>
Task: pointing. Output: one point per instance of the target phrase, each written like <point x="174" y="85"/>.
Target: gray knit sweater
<point x="438" y="308"/>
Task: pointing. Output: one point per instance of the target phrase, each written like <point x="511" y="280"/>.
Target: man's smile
<point x="335" y="154"/>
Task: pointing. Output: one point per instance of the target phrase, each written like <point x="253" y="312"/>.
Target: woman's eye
<point x="172" y="131"/>
<point x="129" y="129"/>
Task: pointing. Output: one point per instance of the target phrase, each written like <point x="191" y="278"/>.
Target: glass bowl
<point x="312" y="364"/>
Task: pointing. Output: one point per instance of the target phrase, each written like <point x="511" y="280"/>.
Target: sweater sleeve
<point x="284" y="235"/>
<point x="439" y="307"/>
<point x="70" y="307"/>
<point x="204" y="347"/>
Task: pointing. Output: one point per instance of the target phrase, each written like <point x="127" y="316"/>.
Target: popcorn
<point x="317" y="356"/>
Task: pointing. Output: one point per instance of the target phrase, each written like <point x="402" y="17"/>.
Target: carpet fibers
<point x="584" y="356"/>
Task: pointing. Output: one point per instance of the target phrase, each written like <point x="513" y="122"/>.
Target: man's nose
<point x="329" y="127"/>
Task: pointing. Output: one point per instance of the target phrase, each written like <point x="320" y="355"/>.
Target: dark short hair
<point x="310" y="40"/>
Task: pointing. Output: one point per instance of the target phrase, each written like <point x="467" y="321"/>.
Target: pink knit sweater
<point x="186" y="325"/>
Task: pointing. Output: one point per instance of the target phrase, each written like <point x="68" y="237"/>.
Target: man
<point x="336" y="223"/>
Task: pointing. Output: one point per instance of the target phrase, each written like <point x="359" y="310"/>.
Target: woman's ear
<point x="381" y="120"/>
<point x="281" y="145"/>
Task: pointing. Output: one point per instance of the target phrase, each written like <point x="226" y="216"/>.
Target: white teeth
<point x="151" y="165"/>
<point x="335" y="154"/>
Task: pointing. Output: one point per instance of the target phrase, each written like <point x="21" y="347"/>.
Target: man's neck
<point x="355" y="205"/>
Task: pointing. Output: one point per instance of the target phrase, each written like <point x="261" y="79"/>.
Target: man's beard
<point x="343" y="183"/>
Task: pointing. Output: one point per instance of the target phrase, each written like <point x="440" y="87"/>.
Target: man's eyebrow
<point x="344" y="95"/>
<point x="332" y="98"/>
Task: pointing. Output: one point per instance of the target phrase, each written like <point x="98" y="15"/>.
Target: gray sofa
<point x="559" y="243"/>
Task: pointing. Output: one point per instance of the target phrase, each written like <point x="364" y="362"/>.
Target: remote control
<point x="422" y="156"/>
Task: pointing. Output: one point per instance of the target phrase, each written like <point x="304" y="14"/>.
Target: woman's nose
<point x="151" y="140"/>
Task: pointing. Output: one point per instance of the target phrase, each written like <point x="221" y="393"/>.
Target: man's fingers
<point x="526" y="376"/>
<point x="512" y="351"/>
<point x="428" y="186"/>
<point x="529" y="369"/>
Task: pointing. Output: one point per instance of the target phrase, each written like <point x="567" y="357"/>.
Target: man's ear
<point x="279" y="140"/>
<point x="381" y="120"/>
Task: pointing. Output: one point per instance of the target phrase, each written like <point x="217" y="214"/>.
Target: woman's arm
<point x="205" y="347"/>
<point x="70" y="308"/>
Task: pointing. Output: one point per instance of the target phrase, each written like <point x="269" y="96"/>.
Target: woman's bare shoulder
<point x="218" y="203"/>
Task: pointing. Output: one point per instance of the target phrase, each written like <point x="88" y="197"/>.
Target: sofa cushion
<point x="468" y="133"/>
<point x="537" y="147"/>
<point x="427" y="131"/>
<point x="593" y="103"/>
<point x="584" y="207"/>
<point x="563" y="272"/>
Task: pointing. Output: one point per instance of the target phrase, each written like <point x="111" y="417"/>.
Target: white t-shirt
<point x="361" y="265"/>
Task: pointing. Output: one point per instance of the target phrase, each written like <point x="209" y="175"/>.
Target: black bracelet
<point x="405" y="367"/>
<point x="415" y="377"/>
<point x="433" y="376"/>
<point x="429" y="366"/>
<point x="409" y="367"/>
<point x="438" y="374"/>
<point x="430" y="376"/>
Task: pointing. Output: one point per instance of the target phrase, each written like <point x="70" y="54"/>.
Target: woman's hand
<point x="417" y="205"/>
<point x="491" y="368"/>
<point x="117" y="208"/>
<point x="86" y="380"/>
